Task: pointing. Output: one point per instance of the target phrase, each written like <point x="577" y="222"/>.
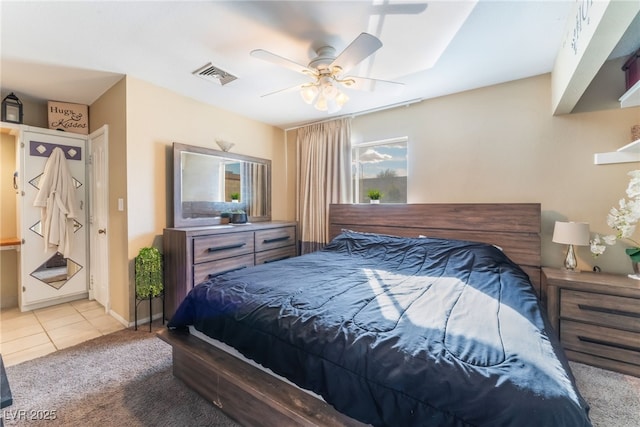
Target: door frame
<point x="99" y="244"/>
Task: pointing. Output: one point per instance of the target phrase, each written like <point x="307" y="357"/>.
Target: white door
<point x="47" y="277"/>
<point x="99" y="216"/>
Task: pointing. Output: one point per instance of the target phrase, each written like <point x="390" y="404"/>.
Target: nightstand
<point x="597" y="317"/>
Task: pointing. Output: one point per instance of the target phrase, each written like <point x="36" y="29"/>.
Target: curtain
<point x="324" y="169"/>
<point x="254" y="188"/>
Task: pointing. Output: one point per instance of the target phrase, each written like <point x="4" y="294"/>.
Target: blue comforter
<point x="398" y="332"/>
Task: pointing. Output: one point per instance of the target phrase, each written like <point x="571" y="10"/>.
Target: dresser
<point x="195" y="254"/>
<point x="597" y="317"/>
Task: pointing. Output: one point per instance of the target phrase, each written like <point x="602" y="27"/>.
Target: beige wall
<point x="496" y="144"/>
<point x="110" y="109"/>
<point x="8" y="229"/>
<point x="501" y="144"/>
<point x="156" y="118"/>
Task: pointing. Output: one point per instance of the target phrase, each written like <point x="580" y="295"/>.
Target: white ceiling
<point x="75" y="51"/>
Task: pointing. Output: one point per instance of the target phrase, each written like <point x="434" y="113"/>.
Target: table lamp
<point x="571" y="233"/>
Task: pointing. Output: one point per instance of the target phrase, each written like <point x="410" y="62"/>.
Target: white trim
<point x="372" y="110"/>
<point x="381" y="142"/>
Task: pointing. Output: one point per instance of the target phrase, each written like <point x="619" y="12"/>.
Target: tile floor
<point x="25" y="336"/>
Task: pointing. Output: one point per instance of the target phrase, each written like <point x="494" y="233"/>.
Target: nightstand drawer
<point x="609" y="343"/>
<point x="605" y="310"/>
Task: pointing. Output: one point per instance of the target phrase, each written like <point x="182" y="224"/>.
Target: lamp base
<point x="570" y="262"/>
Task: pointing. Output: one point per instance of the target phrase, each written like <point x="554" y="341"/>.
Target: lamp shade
<point x="571" y="233"/>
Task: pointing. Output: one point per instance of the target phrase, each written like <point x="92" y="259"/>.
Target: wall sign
<point x="68" y="117"/>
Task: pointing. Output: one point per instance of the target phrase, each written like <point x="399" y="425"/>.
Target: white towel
<point x="57" y="199"/>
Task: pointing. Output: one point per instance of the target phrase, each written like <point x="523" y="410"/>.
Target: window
<point x="380" y="165"/>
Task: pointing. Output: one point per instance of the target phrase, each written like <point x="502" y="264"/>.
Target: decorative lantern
<point x="11" y="109"/>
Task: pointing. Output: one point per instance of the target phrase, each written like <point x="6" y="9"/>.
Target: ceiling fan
<point x="328" y="72"/>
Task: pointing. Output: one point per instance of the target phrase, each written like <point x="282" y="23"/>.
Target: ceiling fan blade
<point x="281" y="61"/>
<point x="363" y="46"/>
<point x="369" y="85"/>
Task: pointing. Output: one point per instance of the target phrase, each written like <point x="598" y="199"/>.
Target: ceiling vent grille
<point x="214" y="74"/>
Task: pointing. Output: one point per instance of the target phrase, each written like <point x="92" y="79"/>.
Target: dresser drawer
<point x="605" y="310"/>
<point x="275" y="255"/>
<point x="220" y="246"/>
<point x="600" y="341"/>
<point x="207" y="270"/>
<point x="275" y="238"/>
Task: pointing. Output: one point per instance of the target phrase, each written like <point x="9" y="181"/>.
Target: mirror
<point x="56" y="271"/>
<point x="208" y="183"/>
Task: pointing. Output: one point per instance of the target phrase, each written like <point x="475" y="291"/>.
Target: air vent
<point x="214" y="74"/>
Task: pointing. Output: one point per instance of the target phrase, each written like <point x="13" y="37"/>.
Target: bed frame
<point x="252" y="397"/>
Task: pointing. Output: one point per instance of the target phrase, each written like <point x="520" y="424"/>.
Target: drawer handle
<point x="607" y="343"/>
<point x="276" y="239"/>
<point x="608" y="310"/>
<point x="224" y="248"/>
<point x="276" y="259"/>
<point x="212" y="275"/>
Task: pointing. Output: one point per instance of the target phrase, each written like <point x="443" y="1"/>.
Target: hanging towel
<point x="57" y="199"/>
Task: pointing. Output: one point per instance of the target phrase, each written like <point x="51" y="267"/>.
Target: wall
<point x="155" y="118"/>
<point x="501" y="144"/>
<point x="110" y="109"/>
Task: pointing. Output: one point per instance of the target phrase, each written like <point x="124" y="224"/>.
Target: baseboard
<point x="9" y="302"/>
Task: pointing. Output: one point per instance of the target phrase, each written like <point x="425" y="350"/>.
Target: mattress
<point x="398" y="331"/>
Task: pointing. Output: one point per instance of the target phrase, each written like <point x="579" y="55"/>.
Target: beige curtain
<point x="324" y="168"/>
<point x="254" y="188"/>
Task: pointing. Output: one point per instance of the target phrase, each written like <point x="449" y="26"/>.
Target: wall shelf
<point x="631" y="98"/>
<point x="627" y="154"/>
<point x="10" y="243"/>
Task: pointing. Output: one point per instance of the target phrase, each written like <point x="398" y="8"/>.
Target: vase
<point x="238" y="218"/>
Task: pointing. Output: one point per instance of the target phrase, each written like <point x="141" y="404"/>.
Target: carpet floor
<point x="125" y="379"/>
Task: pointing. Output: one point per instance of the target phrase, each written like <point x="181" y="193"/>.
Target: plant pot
<point x="235" y="201"/>
<point x="374" y="202"/>
<point x="238" y="218"/>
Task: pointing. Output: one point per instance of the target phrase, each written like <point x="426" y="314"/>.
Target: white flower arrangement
<point x="623" y="220"/>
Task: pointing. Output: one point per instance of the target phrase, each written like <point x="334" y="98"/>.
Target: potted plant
<point x="225" y="217"/>
<point x="235" y="197"/>
<point x="238" y="217"/>
<point x="623" y="220"/>
<point x="374" y="195"/>
<point x="148" y="265"/>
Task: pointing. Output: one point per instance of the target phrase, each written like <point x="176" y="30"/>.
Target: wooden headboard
<point x="515" y="227"/>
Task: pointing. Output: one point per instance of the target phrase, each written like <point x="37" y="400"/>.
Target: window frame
<point x="355" y="168"/>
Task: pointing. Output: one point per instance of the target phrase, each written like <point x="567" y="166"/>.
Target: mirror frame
<point x="178" y="219"/>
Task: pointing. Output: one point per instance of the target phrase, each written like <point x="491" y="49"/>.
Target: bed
<point x="412" y="315"/>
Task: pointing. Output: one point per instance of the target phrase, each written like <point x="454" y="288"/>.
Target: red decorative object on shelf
<point x="632" y="69"/>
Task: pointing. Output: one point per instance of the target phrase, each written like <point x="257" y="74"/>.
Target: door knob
<point x="102" y="231"/>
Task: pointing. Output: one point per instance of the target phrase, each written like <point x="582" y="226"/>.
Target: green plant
<point x="374" y="194"/>
<point x="148" y="273"/>
<point x="235" y="196"/>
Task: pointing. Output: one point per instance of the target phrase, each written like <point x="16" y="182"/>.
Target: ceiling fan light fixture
<point x="333" y="106"/>
<point x="309" y="93"/>
<point x="329" y="90"/>
<point x="341" y="99"/>
<point x="321" y="103"/>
